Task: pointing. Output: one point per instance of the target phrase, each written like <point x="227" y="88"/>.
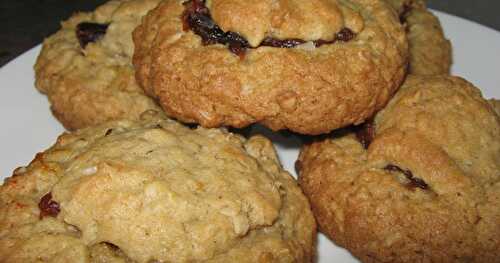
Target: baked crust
<point x="140" y="191"/>
<point x="430" y="51"/>
<point x="305" y="89"/>
<point x="92" y="84"/>
<point x="496" y="105"/>
<point x="427" y="189"/>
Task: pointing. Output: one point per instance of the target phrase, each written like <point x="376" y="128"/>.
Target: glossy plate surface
<point x="28" y="127"/>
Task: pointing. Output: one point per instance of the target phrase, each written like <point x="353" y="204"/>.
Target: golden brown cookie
<point x="85" y="68"/>
<point x="430" y="51"/>
<point x="426" y="188"/>
<point x="305" y="66"/>
<point x="155" y="191"/>
<point x="496" y="105"/>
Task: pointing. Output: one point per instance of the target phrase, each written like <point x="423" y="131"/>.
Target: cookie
<point x="430" y="51"/>
<point x="85" y="68"/>
<point x="310" y="67"/>
<point x="496" y="105"/>
<point x="420" y="184"/>
<point x="153" y="190"/>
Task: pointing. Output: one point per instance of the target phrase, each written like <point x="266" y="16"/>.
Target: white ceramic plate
<point x="27" y="125"/>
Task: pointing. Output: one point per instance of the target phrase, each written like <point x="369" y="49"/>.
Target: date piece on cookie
<point x="308" y="66"/>
<point x="85" y="69"/>
<point x="152" y="190"/>
<point x="427" y="186"/>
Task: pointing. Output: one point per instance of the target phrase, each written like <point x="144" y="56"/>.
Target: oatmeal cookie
<point x="430" y="51"/>
<point x="495" y="104"/>
<point x="420" y="184"/>
<point x="152" y="190"/>
<point x="308" y="66"/>
<point x="85" y="68"/>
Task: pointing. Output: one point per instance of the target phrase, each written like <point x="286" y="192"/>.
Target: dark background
<point x="24" y="23"/>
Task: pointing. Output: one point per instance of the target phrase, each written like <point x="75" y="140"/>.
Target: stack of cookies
<point x="400" y="161"/>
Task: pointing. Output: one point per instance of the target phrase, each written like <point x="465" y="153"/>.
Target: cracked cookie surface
<point x="309" y="88"/>
<point x="85" y="68"/>
<point x="427" y="186"/>
<point x="153" y="190"/>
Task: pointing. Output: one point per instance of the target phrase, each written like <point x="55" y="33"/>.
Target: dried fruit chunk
<point x="197" y="18"/>
<point x="87" y="32"/>
<point x="365" y="133"/>
<point x="48" y="207"/>
<point x="414" y="181"/>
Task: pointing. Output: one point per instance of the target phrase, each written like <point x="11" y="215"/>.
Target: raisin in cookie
<point x="430" y="51"/>
<point x="307" y="66"/>
<point x="85" y="68"/>
<point x="153" y="190"/>
<point x="420" y="184"/>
